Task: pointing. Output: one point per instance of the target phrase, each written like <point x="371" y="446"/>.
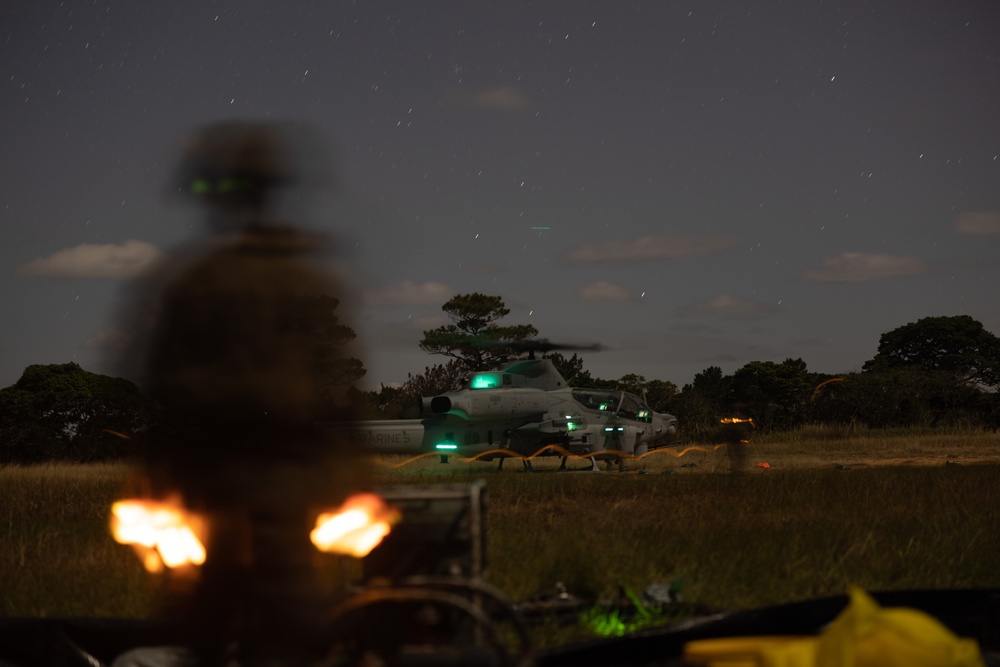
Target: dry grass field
<point x="883" y="511"/>
<point x="810" y="448"/>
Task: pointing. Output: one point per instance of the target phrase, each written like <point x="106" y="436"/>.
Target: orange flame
<point x="356" y="527"/>
<point x="162" y="533"/>
<point x="736" y="420"/>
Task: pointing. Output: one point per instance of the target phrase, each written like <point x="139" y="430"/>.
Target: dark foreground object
<point x="968" y="613"/>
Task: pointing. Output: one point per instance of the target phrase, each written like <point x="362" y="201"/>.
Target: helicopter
<point x="524" y="410"/>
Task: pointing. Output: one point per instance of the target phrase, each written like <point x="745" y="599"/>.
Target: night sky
<point x="691" y="185"/>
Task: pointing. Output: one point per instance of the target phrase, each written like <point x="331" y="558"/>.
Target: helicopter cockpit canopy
<point x="624" y="404"/>
<point x="529" y="373"/>
<point x="491" y="380"/>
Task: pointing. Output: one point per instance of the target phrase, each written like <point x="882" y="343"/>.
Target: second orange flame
<point x="356" y="527"/>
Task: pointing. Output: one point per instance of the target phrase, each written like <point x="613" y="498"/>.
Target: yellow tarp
<point x="863" y="635"/>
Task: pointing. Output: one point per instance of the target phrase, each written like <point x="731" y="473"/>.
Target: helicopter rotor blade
<point x="537" y="345"/>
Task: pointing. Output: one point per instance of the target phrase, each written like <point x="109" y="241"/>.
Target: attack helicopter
<point x="524" y="410"/>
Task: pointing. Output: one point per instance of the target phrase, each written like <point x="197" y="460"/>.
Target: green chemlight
<point x="607" y="621"/>
<point x="446" y="446"/>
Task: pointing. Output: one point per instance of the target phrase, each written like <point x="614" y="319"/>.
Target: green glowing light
<point x="605" y="623"/>
<point x="446" y="446"/>
<point x="486" y="381"/>
<point x="200" y="186"/>
<point x="232" y="185"/>
<point x="611" y="622"/>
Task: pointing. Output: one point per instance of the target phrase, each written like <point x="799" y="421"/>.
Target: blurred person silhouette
<point x="230" y="350"/>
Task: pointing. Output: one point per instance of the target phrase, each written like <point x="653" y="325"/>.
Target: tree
<point x="660" y="395"/>
<point x="571" y="369"/>
<point x="474" y="337"/>
<point x="62" y="412"/>
<point x="314" y="318"/>
<point x="712" y="384"/>
<point x="436" y="379"/>
<point x="317" y="316"/>
<point x="958" y="345"/>
<point x="403" y="402"/>
<point x="900" y="397"/>
<point x="777" y="395"/>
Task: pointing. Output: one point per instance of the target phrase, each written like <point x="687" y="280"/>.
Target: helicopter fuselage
<point x="524" y="410"/>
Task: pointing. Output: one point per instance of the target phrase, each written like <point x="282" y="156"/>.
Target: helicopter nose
<point x="667" y="425"/>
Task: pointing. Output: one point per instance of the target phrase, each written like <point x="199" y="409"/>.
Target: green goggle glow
<point x="203" y="186"/>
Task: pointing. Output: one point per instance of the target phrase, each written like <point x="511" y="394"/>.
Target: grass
<point x="745" y="541"/>
<point x="880" y="511"/>
<point x="56" y="554"/>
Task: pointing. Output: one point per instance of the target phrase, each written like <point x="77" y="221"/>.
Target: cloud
<point x="503" y="97"/>
<point x="93" y="260"/>
<point x="857" y="267"/>
<point x="651" y="248"/>
<point x="602" y="290"/>
<point x="978" y="223"/>
<point x="409" y="294"/>
<point x="726" y="307"/>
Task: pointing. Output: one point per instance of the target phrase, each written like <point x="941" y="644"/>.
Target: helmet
<point x="235" y="159"/>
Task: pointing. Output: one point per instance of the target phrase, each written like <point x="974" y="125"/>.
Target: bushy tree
<point x="317" y="316"/>
<point x="404" y="402"/>
<point x="900" y="397"/>
<point x="437" y="379"/>
<point x="659" y="394"/>
<point x="957" y="345"/>
<point x="776" y="395"/>
<point x="571" y="369"/>
<point x="701" y="404"/>
<point x="62" y="412"/>
<point x="474" y="337"/>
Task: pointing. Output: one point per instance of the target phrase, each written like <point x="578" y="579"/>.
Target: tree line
<point x="935" y="372"/>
